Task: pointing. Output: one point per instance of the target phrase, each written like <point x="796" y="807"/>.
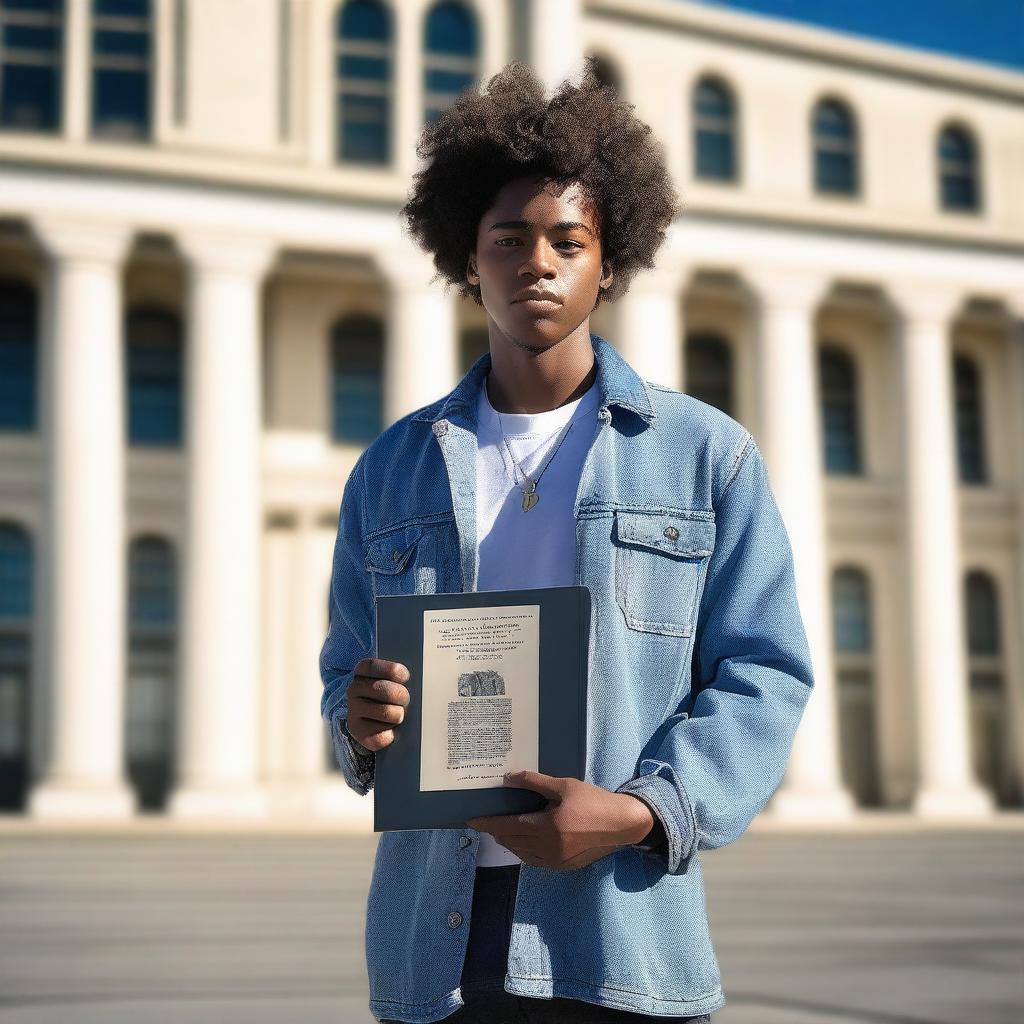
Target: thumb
<point x="549" y="786"/>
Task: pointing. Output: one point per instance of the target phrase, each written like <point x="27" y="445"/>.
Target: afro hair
<point x="585" y="134"/>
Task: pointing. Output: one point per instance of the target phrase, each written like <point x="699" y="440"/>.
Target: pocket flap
<point x="666" y="532"/>
<point x="389" y="554"/>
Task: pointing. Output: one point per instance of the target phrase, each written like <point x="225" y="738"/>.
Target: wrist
<point x="640" y="820"/>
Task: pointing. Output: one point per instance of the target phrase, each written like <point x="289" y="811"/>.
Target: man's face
<point x="532" y="240"/>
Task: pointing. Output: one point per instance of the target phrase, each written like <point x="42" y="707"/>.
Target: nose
<point x="539" y="260"/>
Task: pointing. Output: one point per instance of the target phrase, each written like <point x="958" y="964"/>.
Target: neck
<point x="531" y="381"/>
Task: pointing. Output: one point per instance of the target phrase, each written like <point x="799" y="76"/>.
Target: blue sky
<point x="987" y="30"/>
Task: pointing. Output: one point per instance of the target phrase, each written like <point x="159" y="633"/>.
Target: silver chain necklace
<point x="529" y="485"/>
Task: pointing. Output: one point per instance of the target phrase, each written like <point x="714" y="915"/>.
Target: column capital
<point x="787" y="286"/>
<point x="229" y="253"/>
<point x="1014" y="301"/>
<point x="83" y="240"/>
<point x="670" y="276"/>
<point x="925" y="300"/>
<point x="405" y="266"/>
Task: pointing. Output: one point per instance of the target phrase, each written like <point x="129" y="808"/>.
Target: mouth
<point x="537" y="303"/>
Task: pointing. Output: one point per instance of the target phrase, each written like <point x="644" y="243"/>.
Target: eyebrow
<point x="562" y="225"/>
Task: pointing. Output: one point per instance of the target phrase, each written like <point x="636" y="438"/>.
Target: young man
<point x="553" y="463"/>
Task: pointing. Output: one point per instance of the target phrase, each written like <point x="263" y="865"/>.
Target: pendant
<point x="530" y="497"/>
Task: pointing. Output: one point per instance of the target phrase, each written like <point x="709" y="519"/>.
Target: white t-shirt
<point x="537" y="548"/>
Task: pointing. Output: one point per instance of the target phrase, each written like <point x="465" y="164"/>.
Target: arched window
<point x="154" y="366"/>
<point x="970" y="433"/>
<point x="357" y="358"/>
<point x="31" y="62"/>
<point x="714" y="131"/>
<point x="364" y="72"/>
<point x="852" y="639"/>
<point x="993" y="752"/>
<point x="957" y="158"/>
<point x="709" y="370"/>
<point x="122" y="39"/>
<point x="18" y="355"/>
<point x="835" y="149"/>
<point x="473" y="343"/>
<point x="449" y="56"/>
<point x="151" y="697"/>
<point x="839" y="416"/>
<point x="16" y="601"/>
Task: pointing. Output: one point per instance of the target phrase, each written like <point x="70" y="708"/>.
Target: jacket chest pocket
<point x="404" y="560"/>
<point x="660" y="561"/>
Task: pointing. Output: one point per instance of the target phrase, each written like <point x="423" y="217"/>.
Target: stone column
<point x="421" y="354"/>
<point x="790" y="438"/>
<point x="84" y="777"/>
<point x="407" y="72"/>
<point x="946" y="784"/>
<point x="554" y="43"/>
<point x="76" y="79"/>
<point x="220" y="679"/>
<point x="649" y="325"/>
<point x="1015" y="686"/>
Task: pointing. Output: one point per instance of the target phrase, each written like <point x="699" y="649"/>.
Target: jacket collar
<point x="617" y="384"/>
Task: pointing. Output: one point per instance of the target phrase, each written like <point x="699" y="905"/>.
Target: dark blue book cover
<point x="497" y="678"/>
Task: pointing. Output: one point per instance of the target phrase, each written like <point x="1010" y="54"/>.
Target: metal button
<point x="671" y="532"/>
<point x="440" y="427"/>
<point x="465" y="841"/>
<point x="454" y="919"/>
<point x="396" y="556"/>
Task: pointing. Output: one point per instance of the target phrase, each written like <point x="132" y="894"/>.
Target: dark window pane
<point x="365" y="128"/>
<point x="851" y="622"/>
<point x="122" y="8"/>
<point x="121" y="103"/>
<point x="34" y="38"/>
<point x="831" y="120"/>
<point x="15" y="573"/>
<point x="450" y="29"/>
<point x="839" y="412"/>
<point x="120" y="44"/>
<point x="357" y="348"/>
<point x="375" y="69"/>
<point x="709" y="370"/>
<point x="715" y="157"/>
<point x="712" y="100"/>
<point x="365" y="19"/>
<point x="959" y="193"/>
<point x="969" y="429"/>
<point x="152" y="589"/>
<point x="18" y="355"/>
<point x="958" y="172"/>
<point x="154" y="378"/>
<point x="29" y="97"/>
<point x="447" y="81"/>
<point x="982" y="615"/>
<point x="834" y="172"/>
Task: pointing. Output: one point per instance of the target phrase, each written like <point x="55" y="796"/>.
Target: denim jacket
<point x="699" y="674"/>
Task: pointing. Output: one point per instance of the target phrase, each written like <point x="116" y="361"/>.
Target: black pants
<point x="483" y="973"/>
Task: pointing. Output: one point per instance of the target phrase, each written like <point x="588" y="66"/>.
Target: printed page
<point x="481" y="695"/>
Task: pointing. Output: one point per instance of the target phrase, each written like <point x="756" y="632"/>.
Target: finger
<point x="381" y="668"/>
<point x="383" y="691"/>
<point x="372" y="711"/>
<point x="550" y="786"/>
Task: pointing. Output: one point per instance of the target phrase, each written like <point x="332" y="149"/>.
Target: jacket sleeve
<point x="349" y="633"/>
<point x="712" y="769"/>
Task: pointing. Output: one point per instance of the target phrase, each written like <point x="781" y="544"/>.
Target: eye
<point x="563" y="241"/>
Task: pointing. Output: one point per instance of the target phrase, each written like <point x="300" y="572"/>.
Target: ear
<point x="607" y="274"/>
<point x="471" y="275"/>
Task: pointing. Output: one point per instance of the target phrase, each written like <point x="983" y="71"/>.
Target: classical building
<point x="207" y="309"/>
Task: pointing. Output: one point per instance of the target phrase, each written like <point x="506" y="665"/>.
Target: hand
<point x="377" y="699"/>
<point x="582" y="822"/>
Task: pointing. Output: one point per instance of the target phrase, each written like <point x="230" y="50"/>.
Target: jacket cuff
<point x="356" y="762"/>
<point x="675" y="814"/>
